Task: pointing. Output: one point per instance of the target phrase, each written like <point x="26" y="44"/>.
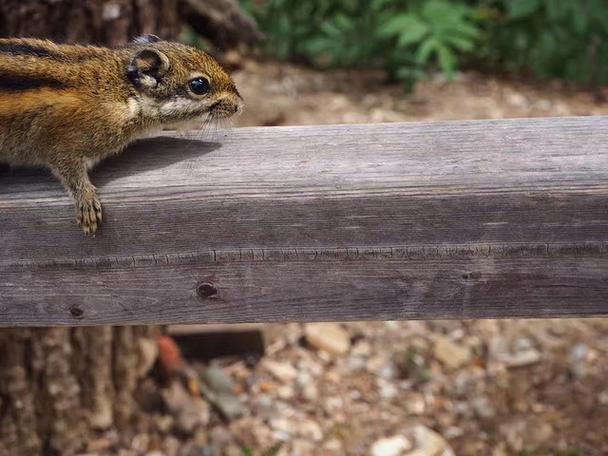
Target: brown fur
<point x="68" y="106"/>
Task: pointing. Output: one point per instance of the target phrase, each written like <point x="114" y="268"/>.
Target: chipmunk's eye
<point x="200" y="85"/>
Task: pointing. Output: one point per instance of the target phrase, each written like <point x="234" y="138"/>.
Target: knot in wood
<point x="206" y="290"/>
<point x="76" y="311"/>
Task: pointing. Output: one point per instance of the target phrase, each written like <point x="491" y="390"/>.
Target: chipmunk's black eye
<point x="200" y="85"/>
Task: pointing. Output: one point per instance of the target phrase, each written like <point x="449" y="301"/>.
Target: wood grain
<point x="422" y="220"/>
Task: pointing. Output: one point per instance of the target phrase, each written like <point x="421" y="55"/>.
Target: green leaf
<point x="434" y="10"/>
<point x="399" y="24"/>
<point x="518" y="9"/>
<point x="462" y="44"/>
<point x="447" y="61"/>
<point x="426" y="49"/>
<point x="413" y="34"/>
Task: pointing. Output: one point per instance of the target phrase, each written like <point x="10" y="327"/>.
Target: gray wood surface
<point x="469" y="219"/>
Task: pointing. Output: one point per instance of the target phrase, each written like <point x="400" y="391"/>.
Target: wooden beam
<point x="392" y="221"/>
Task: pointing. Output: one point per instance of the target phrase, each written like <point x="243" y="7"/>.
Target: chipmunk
<point x="67" y="107"/>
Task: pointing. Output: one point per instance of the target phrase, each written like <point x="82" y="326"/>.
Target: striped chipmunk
<point x="66" y="107"/>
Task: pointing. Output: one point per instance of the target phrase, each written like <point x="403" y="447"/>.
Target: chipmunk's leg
<point x="73" y="174"/>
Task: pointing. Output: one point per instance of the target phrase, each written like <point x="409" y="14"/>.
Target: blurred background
<point x="535" y="387"/>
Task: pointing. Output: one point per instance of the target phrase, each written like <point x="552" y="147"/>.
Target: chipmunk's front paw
<point x="88" y="213"/>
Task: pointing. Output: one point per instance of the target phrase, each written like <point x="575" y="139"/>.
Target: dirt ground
<point x="280" y="94"/>
<point x="509" y="387"/>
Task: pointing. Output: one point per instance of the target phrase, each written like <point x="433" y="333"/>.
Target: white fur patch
<point x="185" y="125"/>
<point x="178" y="106"/>
<point x="133" y="107"/>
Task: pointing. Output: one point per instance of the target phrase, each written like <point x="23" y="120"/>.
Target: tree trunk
<point x="115" y="22"/>
<point x="108" y="22"/>
<point x="58" y="385"/>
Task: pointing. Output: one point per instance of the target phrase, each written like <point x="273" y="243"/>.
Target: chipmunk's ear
<point x="148" y="67"/>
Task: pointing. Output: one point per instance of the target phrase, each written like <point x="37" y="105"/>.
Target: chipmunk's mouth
<point x="214" y="114"/>
<point x="223" y="109"/>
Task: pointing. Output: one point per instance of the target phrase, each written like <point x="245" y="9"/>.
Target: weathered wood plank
<point x="440" y="220"/>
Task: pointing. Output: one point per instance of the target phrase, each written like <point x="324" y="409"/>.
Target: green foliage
<point x="407" y="37"/>
<point x="551" y="38"/>
<point x="412" y="38"/>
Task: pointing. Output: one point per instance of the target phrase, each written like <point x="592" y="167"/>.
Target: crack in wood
<point x="311" y="254"/>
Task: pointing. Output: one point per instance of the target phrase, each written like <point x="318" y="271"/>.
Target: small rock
<point x="375" y="363"/>
<point x="252" y="432"/>
<point x="100" y="445"/>
<point x="388" y="371"/>
<point x="201" y="437"/>
<point x="453" y="432"/>
<point x="513" y="434"/>
<point x="304" y="379"/>
<point x="140" y="443"/>
<point x="523" y="343"/>
<point x="483" y="407"/>
<point x="451" y="354"/>
<point x="189" y="412"/>
<point x="232" y="450"/>
<point x="524" y="358"/>
<point x="191" y="449"/>
<point x="333" y="445"/>
<point x="264" y="402"/>
<point x="283" y="372"/>
<point x="522" y="354"/>
<point x="391" y="446"/>
<point x="578" y="360"/>
<point x="282" y="428"/>
<point x="310" y="366"/>
<point x="362" y="348"/>
<point x="428" y="443"/>
<point x="310" y="392"/>
<point x="219" y="437"/>
<point x="301" y="447"/>
<point x="386" y="389"/>
<point x="164" y="423"/>
<point x="392" y="325"/>
<point x="218" y="389"/>
<point x="333" y="404"/>
<point x="310" y="430"/>
<point x="415" y="404"/>
<point x="216" y="379"/>
<point x="355" y="363"/>
<point x="285" y="392"/>
<point x="229" y="406"/>
<point x="171" y="445"/>
<point x="328" y="337"/>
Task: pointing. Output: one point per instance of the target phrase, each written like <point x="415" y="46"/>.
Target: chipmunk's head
<point x="179" y="84"/>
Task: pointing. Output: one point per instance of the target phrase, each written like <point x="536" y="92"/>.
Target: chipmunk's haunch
<point x="68" y="107"/>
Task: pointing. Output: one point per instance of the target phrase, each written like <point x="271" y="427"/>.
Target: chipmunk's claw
<point x="88" y="214"/>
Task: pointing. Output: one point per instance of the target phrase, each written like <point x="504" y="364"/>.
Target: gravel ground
<point x="508" y="387"/>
